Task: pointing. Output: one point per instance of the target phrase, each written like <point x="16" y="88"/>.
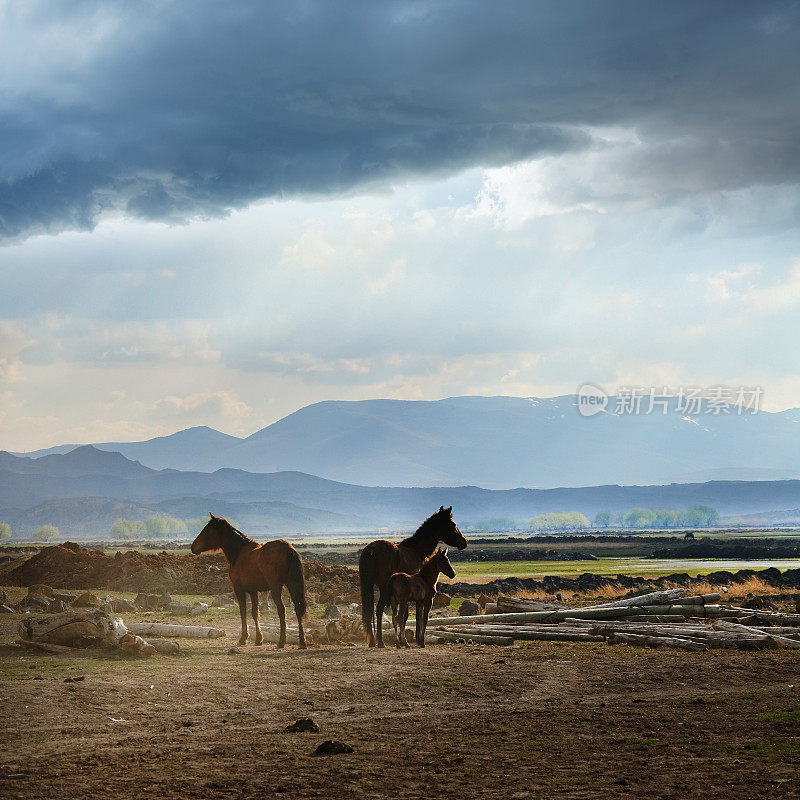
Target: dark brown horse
<point x="258" y="568"/>
<point x="419" y="587"/>
<point x="381" y="559"/>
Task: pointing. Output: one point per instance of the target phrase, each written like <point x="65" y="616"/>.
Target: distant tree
<point x="602" y="519"/>
<point x="46" y="533"/>
<point x="5" y="531"/>
<point x="195" y="524"/>
<point x="640" y="518"/>
<point x="128" y="529"/>
<point x="558" y="521"/>
<point x="495" y="524"/>
<point x="700" y="517"/>
<point x="162" y="527"/>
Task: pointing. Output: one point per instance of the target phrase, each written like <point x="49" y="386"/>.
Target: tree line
<point x="695" y="517"/>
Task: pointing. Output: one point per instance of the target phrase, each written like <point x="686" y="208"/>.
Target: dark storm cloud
<point x="170" y="110"/>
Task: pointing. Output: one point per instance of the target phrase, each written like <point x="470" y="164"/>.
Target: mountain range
<point x="492" y="442"/>
<point x="84" y="490"/>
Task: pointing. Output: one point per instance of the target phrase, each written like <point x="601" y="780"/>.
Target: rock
<point x="87" y="600"/>
<point x="332" y="611"/>
<point x="233" y="651"/>
<point x="303" y="725"/>
<point x="484" y="599"/>
<point x="179" y="609"/>
<point x="354" y="597"/>
<point x="141" y="601"/>
<point x="119" y="605"/>
<point x="57" y="606"/>
<point x="4" y="609"/>
<point x="67" y="599"/>
<point x="441" y="600"/>
<point x="331" y="747"/>
<point x="468" y="608"/>
<point x="41" y="590"/>
<point x="198" y="609"/>
<point x="34" y="603"/>
<point x="222" y="600"/>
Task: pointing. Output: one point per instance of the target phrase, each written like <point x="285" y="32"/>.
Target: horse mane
<point x="422" y="532"/>
<point x="236" y="540"/>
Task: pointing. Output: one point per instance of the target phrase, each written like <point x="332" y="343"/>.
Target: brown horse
<point x="420" y="587"/>
<point x="380" y="559"/>
<point x="258" y="568"/>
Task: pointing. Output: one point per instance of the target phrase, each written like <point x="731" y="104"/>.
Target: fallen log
<point x="523" y="634"/>
<point x="781" y="641"/>
<point x="507" y="604"/>
<point x="177" y="631"/>
<point x="660" y="598"/>
<point x="657" y="641"/>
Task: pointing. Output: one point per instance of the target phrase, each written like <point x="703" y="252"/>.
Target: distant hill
<point x="86" y="489"/>
<point x="493" y="442"/>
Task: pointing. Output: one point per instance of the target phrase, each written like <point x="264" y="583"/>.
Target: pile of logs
<point x="666" y="618"/>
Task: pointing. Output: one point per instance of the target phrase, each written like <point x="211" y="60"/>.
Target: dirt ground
<point x="538" y="720"/>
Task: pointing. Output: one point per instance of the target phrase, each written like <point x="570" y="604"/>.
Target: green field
<point x="466" y="570"/>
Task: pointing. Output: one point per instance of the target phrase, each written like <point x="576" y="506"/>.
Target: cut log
<point x="175" y="631"/>
<point x="508" y="604"/>
<point x="656" y="641"/>
<point x="781" y="641"/>
<point x="523" y="634"/>
<point x="660" y="598"/>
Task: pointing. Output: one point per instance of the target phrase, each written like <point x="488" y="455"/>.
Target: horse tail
<point x="296" y="584"/>
<point x="366" y="576"/>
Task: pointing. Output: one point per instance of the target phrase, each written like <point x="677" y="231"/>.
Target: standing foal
<point x="420" y="587"/>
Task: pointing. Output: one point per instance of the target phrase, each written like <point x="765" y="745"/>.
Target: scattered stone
<point x="233" y="651"/>
<point x="179" y="609"/>
<point x="34" y="602"/>
<point x="87" y="600"/>
<point x="303" y="725"/>
<point x="332" y="611"/>
<point x="119" y="605"/>
<point x="198" y="609"/>
<point x="76" y="679"/>
<point x="57" y="606"/>
<point x="41" y="590"/>
<point x="484" y="599"/>
<point x="332" y="747"/>
<point x="469" y="608"/>
<point x="441" y="600"/>
<point x="222" y="600"/>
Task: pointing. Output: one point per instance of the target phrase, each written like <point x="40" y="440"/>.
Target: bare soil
<point x="538" y="720"/>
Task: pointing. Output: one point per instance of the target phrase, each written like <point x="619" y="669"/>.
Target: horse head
<point x="448" y="530"/>
<point x="443" y="563"/>
<point x="208" y="538"/>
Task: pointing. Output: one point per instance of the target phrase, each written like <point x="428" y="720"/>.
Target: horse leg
<point x="278" y="600"/>
<point x="254" y="603"/>
<point x="382" y="603"/>
<point x="426" y="607"/>
<point x="403" y="620"/>
<point x="397" y="611"/>
<point x="302" y="633"/>
<point x="241" y="599"/>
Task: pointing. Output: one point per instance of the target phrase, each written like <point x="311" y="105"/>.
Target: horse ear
<point x="441" y="508"/>
<point x="450" y="510"/>
<point x="211" y="515"/>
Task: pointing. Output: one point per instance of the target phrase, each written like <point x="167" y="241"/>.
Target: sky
<point x="214" y="214"/>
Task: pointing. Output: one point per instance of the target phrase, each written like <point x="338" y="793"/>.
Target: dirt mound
<point x="70" y="566"/>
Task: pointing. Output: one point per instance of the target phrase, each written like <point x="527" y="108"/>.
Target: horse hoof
<point x="258" y="644"/>
<point x="303" y="646"/>
<point x="381" y="644"/>
<point x="371" y="643"/>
